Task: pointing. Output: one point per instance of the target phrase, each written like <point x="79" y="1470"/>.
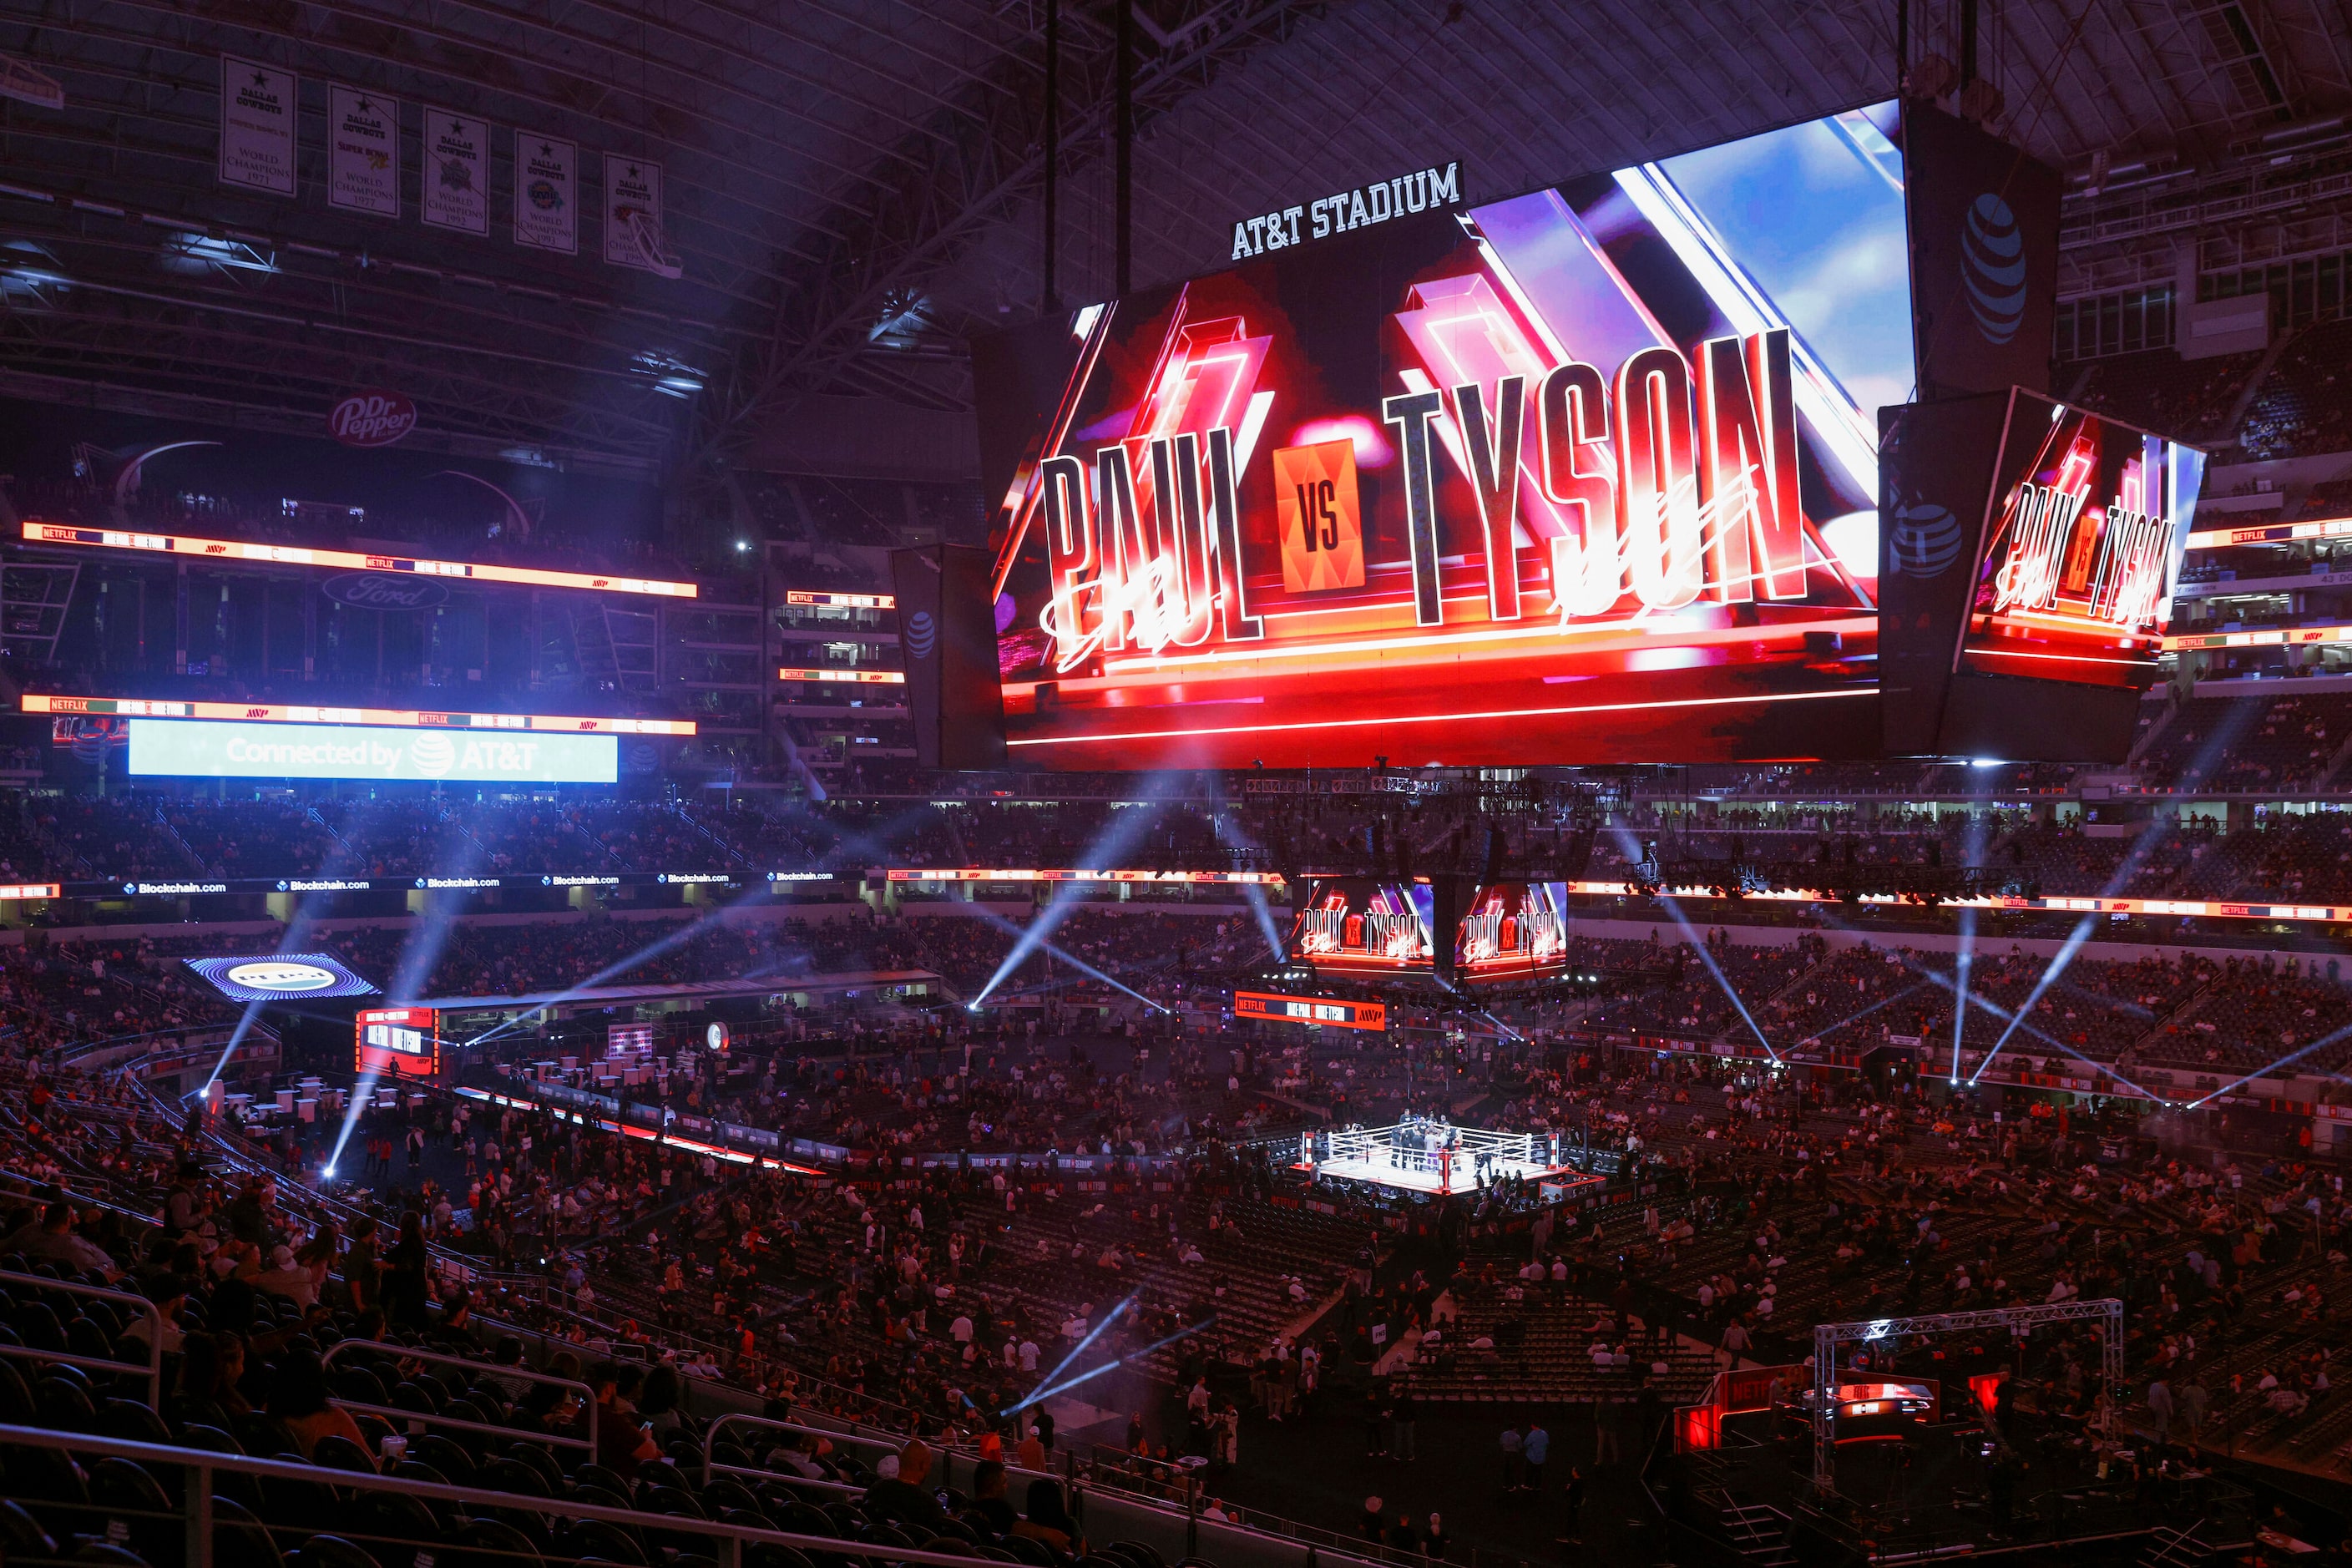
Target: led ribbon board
<point x="1052" y="874"/>
<point x="280" y="977"/>
<point x="846" y="677"/>
<point x="2063" y="903"/>
<point x="821" y="599"/>
<point x="1451" y="488"/>
<point x="2273" y="636"/>
<point x="302" y="556"/>
<point x="168" y="749"/>
<point x="2272" y="534"/>
<point x="282" y="713"/>
<point x="1277" y="1008"/>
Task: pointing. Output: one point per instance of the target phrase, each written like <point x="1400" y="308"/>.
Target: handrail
<point x="786" y="1477"/>
<point x="481" y="1368"/>
<point x="743" y="1418"/>
<point x="198" y="1511"/>
<point x="154" y="1332"/>
<point x="458" y="1423"/>
<point x="769" y="1424"/>
<point x="487" y="1369"/>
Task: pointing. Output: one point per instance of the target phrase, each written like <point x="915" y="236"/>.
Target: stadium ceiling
<point x="853" y="184"/>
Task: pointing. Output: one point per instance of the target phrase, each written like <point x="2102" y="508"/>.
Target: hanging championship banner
<point x="363" y="152"/>
<point x="259" y="108"/>
<point x="457" y="172"/>
<point x="632" y="212"/>
<point x="546" y="204"/>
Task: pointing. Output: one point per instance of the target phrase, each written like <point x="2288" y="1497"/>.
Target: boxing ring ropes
<point x="1399" y="1155"/>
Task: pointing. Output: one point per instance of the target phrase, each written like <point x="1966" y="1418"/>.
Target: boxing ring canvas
<point x="1428" y="1156"/>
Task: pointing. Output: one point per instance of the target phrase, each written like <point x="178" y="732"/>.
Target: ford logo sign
<point x="378" y="591"/>
<point x="371" y="419"/>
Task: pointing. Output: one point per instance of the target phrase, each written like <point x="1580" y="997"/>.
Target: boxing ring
<point x="1430" y="1156"/>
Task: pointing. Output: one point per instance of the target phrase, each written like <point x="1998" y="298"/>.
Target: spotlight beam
<point x="1080" y="1348"/>
<point x="2057" y="966"/>
<point x="419" y="955"/>
<point x="2017" y="1021"/>
<point x="1632" y="853"/>
<point x="1078" y="963"/>
<point x="1108" y="848"/>
<point x="2287" y="1060"/>
<point x="1131" y="1356"/>
<point x="1971" y="853"/>
<point x="2224" y="734"/>
<point x="1251" y="890"/>
<point x="1857" y="1017"/>
<point x="296" y="936"/>
<point x="645" y="954"/>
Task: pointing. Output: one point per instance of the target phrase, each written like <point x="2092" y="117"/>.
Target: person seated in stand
<point x="51" y="1240"/>
<point x="906" y="1496"/>
<point x="1049" y="1518"/>
<point x="622" y="1440"/>
<point x="283" y="1278"/>
<point x="297" y="1396"/>
<point x="167" y="1295"/>
<point x="210" y="1366"/>
<point x="991" y="1507"/>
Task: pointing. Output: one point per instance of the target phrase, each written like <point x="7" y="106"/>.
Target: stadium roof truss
<point x="852" y="184"/>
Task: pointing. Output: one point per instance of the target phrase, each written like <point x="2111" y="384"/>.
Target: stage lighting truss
<point x="2018" y="1321"/>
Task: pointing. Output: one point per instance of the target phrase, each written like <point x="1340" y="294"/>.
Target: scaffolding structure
<point x="2018" y="1321"/>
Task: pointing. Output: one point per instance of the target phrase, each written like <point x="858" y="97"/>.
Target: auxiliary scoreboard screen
<point x="1310" y="1010"/>
<point x="401" y="1042"/>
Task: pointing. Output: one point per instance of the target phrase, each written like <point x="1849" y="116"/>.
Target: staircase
<point x="602" y="854"/>
<point x="1759" y="1534"/>
<point x="328" y="829"/>
<point x="2148" y="738"/>
<point x="2228" y="423"/>
<point x="2188" y="1009"/>
<point x="2328" y="770"/>
<point x="733" y="856"/>
<point x="2168" y="1548"/>
<point x="187" y="850"/>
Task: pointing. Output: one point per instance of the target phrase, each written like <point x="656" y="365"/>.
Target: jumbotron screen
<point x="2086" y="526"/>
<point x="1512" y="931"/>
<point x="1365" y="927"/>
<point x="199" y="748"/>
<point x="399" y="1042"/>
<point x="1586" y="474"/>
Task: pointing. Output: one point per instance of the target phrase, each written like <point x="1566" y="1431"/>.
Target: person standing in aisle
<point x="1572" y="1516"/>
<point x="1536" y="1447"/>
